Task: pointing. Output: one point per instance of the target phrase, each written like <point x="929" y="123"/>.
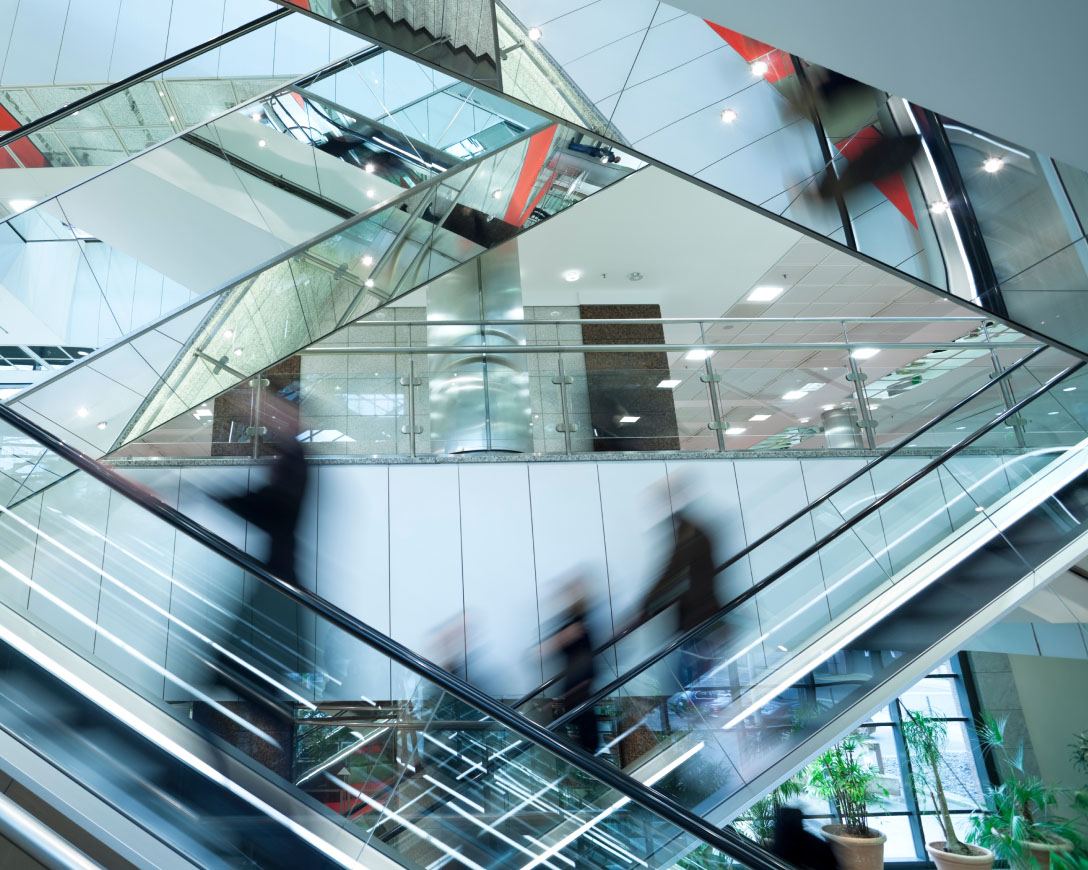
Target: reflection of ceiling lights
<point x="21" y="204"/>
<point x="1068" y="389"/>
<point x="793" y="395"/>
<point x="202" y="412"/>
<point x="534" y="33"/>
<point x="629" y="419"/>
<point x="369" y="167"/>
<point x="760" y="68"/>
<point x="993" y="164"/>
<point x="698" y="355"/>
<point x="865" y="353"/>
<point x="81" y="412"/>
<point x="496" y="194"/>
<point x="228" y="333"/>
<point x="238" y="351"/>
<point x="729" y="115"/>
<point x="367" y="260"/>
<point x="256" y="116"/>
<point x="765" y="294"/>
<point x="102" y="424"/>
<point x="803" y="420"/>
<point x="759" y="418"/>
<point x="828" y="408"/>
<point x="572" y="275"/>
<point x="668" y="384"/>
<point x="261" y="143"/>
<point x="635" y="276"/>
<point x="939" y="207"/>
<point x="735" y="430"/>
<point x="369" y="282"/>
<point x="370" y="193"/>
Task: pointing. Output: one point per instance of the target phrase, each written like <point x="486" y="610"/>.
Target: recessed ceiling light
<point x="668" y="384"/>
<point x="228" y="333"/>
<point x="534" y="33"/>
<point x="369" y="282"/>
<point x="784" y="649"/>
<point x="370" y="193"/>
<point x="367" y="260"/>
<point x="21" y="204"/>
<point x="729" y="115"/>
<point x="1068" y="389"/>
<point x="939" y="207"/>
<point x="698" y="354"/>
<point x="874" y="407"/>
<point x="865" y="353"/>
<point x="261" y="143"/>
<point x="735" y="430"/>
<point x="759" y="418"/>
<point x="629" y="419"/>
<point x="959" y="428"/>
<point x="793" y="395"/>
<point x="238" y="351"/>
<point x="993" y="164"/>
<point x="765" y="294"/>
<point x="369" y="167"/>
<point x="496" y="194"/>
<point x="803" y="420"/>
<point x="171" y="117"/>
<point x="102" y="424"/>
<point x="572" y="275"/>
<point x="256" y="116"/>
<point x="202" y="412"/>
<point x="81" y="412"/>
<point x="1051" y="413"/>
<point x="828" y="408"/>
<point x="760" y="68"/>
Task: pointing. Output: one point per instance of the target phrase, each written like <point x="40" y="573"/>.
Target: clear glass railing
<point x="818" y="614"/>
<point x="204" y="685"/>
<point x="116" y="122"/>
<point x="244" y="188"/>
<point x="407" y="238"/>
<point x="373" y="387"/>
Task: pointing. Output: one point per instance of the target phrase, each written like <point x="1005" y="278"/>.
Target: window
<point x="907" y="819"/>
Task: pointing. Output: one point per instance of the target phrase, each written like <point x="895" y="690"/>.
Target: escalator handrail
<point x="835" y="490"/>
<point x="39" y="841"/>
<point x="597" y="696"/>
<point x="141" y="76"/>
<point x="726" y="840"/>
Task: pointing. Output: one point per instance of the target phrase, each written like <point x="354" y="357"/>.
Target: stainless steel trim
<point x="40" y="842"/>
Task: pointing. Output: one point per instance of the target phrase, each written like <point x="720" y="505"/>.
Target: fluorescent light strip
<point x="456" y="794"/>
<point x="170" y="746"/>
<point x="159" y="610"/>
<point x="134" y="653"/>
<point x="354" y="747"/>
<point x="537" y="842"/>
<point x="417" y="158"/>
<point x="986" y="138"/>
<point x="454" y="753"/>
<point x="401" y="820"/>
<point x="174" y="582"/>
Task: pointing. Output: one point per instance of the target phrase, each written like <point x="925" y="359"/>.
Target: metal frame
<point x="727" y="841"/>
<point x="808" y="552"/>
<point x="39" y="841"/>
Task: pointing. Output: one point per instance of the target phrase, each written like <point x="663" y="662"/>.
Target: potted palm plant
<point x="926" y="737"/>
<point x="757" y="822"/>
<point x="852" y="786"/>
<point x="1021" y="829"/>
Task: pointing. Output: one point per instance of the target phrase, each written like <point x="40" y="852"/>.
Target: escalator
<point x="182" y="691"/>
<point x="849" y="601"/>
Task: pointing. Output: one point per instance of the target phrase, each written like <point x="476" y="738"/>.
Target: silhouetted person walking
<point x="572" y="642"/>
<point x="794" y="844"/>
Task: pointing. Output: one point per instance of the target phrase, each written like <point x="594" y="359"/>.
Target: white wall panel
<point x="87" y="48"/>
<point x="568" y="539"/>
<point x="35" y="42"/>
<point x="352" y="538"/>
<point x="424" y="556"/>
<point x="142" y="28"/>
<point x="497" y="554"/>
<point x="910" y="522"/>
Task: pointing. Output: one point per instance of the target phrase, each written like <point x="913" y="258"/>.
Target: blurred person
<point x="275" y="507"/>
<point x="792" y="843"/>
<point x="687" y="583"/>
<point x="848" y="111"/>
<point x="571" y="642"/>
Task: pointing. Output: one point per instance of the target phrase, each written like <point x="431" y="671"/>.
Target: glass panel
<point x="351" y="737"/>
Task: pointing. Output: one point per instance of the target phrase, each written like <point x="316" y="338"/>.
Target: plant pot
<point x="979" y="859"/>
<point x="1041" y="852"/>
<point x="855" y="853"/>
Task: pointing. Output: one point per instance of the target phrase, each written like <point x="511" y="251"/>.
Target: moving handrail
<point x="808" y="552"/>
<point x="786" y="523"/>
<point x="39" y="841"/>
<point x="150" y="72"/>
<point x="725" y="840"/>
